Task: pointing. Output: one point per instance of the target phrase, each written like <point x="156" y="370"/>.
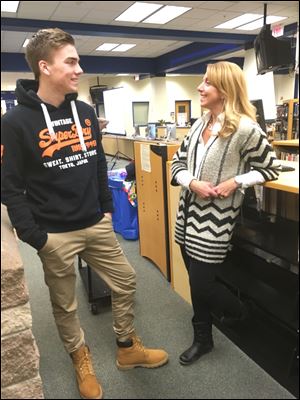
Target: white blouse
<point x="184" y="178"/>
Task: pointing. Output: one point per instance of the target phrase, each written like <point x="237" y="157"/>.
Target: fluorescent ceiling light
<point x="138" y="11"/>
<point x="25" y="42"/>
<point x="124" y="47"/>
<point x="248" y="22"/>
<point x="166" y="14"/>
<point x="9" y="6"/>
<point x="259" y="23"/>
<point x="238" y="21"/>
<point x="107" y="46"/>
<point x="123" y="74"/>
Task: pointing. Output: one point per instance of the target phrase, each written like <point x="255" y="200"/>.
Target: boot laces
<point x="139" y="344"/>
<point x="85" y="365"/>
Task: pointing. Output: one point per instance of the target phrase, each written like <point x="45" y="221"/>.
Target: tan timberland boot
<point x="89" y="387"/>
<point x="133" y="354"/>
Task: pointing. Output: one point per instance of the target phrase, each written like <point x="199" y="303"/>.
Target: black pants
<point x="208" y="295"/>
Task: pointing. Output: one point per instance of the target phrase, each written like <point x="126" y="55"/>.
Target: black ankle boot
<point x="202" y="344"/>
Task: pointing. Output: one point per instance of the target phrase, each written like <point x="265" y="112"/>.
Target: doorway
<point x="182" y="112"/>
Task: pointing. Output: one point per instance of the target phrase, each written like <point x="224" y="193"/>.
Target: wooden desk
<point x="114" y="143"/>
<point x="287" y="181"/>
<point x="125" y="144"/>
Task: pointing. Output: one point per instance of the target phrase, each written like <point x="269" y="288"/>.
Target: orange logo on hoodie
<point x="63" y="139"/>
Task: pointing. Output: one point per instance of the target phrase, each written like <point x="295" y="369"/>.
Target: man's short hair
<point x="42" y="44"/>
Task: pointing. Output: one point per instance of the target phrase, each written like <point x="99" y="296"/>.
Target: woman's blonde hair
<point x="229" y="79"/>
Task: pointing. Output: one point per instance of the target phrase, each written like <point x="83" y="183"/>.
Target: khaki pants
<point x="99" y="248"/>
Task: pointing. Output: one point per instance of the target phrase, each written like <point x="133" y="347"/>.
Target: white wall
<point x="260" y="86"/>
<point x="162" y="92"/>
<point x="159" y="91"/>
<point x="284" y="87"/>
<point x="272" y="89"/>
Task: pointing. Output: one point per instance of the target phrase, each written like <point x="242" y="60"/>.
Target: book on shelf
<point x="289" y="156"/>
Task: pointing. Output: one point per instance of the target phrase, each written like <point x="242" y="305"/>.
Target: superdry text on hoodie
<point x="54" y="173"/>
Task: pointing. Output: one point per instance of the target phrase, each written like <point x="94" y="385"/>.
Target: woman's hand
<point x="203" y="189"/>
<point x="226" y="188"/>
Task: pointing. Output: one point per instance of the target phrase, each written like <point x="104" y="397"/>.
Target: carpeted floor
<point x="162" y="320"/>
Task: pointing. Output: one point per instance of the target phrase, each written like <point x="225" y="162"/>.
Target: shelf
<point x="270" y="335"/>
<point x="292" y="143"/>
<point x="272" y="289"/>
<point x="272" y="348"/>
<point x="278" y="238"/>
<point x="287" y="118"/>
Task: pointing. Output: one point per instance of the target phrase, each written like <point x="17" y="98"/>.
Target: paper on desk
<point x="145" y="158"/>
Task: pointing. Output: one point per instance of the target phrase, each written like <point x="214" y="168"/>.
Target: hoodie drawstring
<point x="76" y="120"/>
<point x="48" y="122"/>
<point x="78" y="126"/>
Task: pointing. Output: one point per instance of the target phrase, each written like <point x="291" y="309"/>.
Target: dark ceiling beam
<point x="15" y="62"/>
<point x="191" y="54"/>
<point x="82" y="29"/>
<point x="200" y="68"/>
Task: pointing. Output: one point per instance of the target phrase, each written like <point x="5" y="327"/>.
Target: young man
<point x="54" y="184"/>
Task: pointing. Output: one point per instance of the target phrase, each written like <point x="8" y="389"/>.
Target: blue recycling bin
<point x="125" y="217"/>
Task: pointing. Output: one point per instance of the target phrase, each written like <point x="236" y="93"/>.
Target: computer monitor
<point x="171" y="131"/>
<point x="151" y="131"/>
<point x="136" y="130"/>
<point x="260" y="115"/>
<point x="271" y="53"/>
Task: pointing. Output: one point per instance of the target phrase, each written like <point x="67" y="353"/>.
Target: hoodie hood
<point x="26" y="94"/>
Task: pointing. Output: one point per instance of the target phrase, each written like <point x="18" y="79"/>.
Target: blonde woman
<point x="225" y="152"/>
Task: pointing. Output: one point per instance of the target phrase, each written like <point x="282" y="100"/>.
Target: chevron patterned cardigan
<point x="205" y="227"/>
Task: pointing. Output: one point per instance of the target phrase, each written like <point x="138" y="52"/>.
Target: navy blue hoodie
<point x="54" y="172"/>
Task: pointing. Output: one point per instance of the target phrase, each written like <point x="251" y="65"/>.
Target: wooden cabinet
<point x="151" y="178"/>
<point x="178" y="273"/>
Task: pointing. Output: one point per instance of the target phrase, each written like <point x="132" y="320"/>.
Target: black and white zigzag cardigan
<point x="205" y="227"/>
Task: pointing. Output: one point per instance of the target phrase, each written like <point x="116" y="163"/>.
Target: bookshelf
<point x="287" y="149"/>
<point x="263" y="266"/>
<point x="287" y="121"/>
